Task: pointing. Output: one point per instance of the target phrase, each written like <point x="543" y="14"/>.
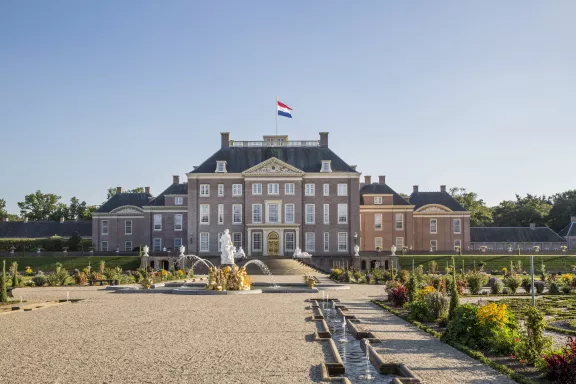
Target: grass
<point x="47" y="263"/>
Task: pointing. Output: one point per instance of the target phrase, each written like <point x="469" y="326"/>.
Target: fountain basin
<point x="192" y="291"/>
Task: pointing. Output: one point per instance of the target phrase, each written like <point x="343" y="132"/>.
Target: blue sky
<point x="104" y="93"/>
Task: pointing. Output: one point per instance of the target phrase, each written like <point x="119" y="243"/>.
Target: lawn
<point x="47" y="263"/>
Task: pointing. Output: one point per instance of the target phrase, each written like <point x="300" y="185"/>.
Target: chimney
<point x="532" y="226"/>
<point x="353" y="167"/>
<point x="147" y="190"/>
<point x="323" y="139"/>
<point x="381" y="179"/>
<point x="118" y="190"/>
<point x="442" y="188"/>
<point x="175" y="179"/>
<point x="367" y="180"/>
<point x="225" y="139"/>
<point x="25" y="219"/>
<point x="61" y="219"/>
<point x="415" y="189"/>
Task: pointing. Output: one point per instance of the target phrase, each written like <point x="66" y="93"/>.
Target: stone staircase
<point x="281" y="266"/>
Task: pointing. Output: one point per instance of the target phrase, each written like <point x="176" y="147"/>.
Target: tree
<point x="112" y="191"/>
<point x="42" y="206"/>
<point x="522" y="212"/>
<point x="564" y="206"/>
<point x="4" y="213"/>
<point x="480" y="214"/>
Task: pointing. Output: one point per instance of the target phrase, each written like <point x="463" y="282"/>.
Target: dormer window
<point x="221" y="166"/>
<point x="326" y="167"/>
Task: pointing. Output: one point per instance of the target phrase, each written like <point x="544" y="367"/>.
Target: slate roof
<point x="174" y="189"/>
<point x="514" y="235"/>
<point x="382" y="189"/>
<point x="569" y="230"/>
<point x="121" y="199"/>
<point x="43" y="229"/>
<point x="420" y="199"/>
<point x="307" y="159"/>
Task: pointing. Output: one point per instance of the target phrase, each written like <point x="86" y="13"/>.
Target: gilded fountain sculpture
<point x="227" y="277"/>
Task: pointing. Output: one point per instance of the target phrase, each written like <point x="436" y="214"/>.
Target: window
<point x="204" y="190"/>
<point x="326" y="189"/>
<point x="220" y="166"/>
<point x="157" y="245"/>
<point x="342" y="213"/>
<point x="179" y="200"/>
<point x="104" y="227"/>
<point x="256" y="189"/>
<point x="342" y="241"/>
<point x="220" y="214"/>
<point x="289" y="241"/>
<point x="177" y="243"/>
<point x="326" y="242"/>
<point x="256" y="241"/>
<point x="237" y="239"/>
<point x="378" y="200"/>
<point x="326" y="166"/>
<point x="273" y="213"/>
<point x="378" y="221"/>
<point x="178" y="222"/>
<point x="433" y="245"/>
<point x="236" y="189"/>
<point x="218" y="241"/>
<point x="342" y="189"/>
<point x="157" y="221"/>
<point x="220" y="190"/>
<point x="377" y="243"/>
<point x="236" y="213"/>
<point x="310" y="216"/>
<point x="433" y="226"/>
<point x="256" y="213"/>
<point x="399" y="219"/>
<point x="128" y="227"/>
<point x="289" y="189"/>
<point x="289" y="213"/>
<point x="309" y="190"/>
<point x="310" y="242"/>
<point x="457" y="225"/>
<point x="204" y="242"/>
<point x="128" y="246"/>
<point x="273" y="189"/>
<point x="399" y="242"/>
<point x="326" y="213"/>
<point x="204" y="213"/>
<point x="104" y="246"/>
<point x="457" y="244"/>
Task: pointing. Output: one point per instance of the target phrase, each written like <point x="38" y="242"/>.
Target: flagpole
<point x="276" y="115"/>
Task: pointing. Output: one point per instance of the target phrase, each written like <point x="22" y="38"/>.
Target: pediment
<point x="128" y="210"/>
<point x="273" y="166"/>
<point x="433" y="208"/>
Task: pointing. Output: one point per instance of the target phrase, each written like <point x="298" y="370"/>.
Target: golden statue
<point x="228" y="279"/>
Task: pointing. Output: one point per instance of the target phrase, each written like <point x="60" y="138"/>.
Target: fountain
<point x="343" y="338"/>
<point x="367" y="376"/>
<point x="264" y="269"/>
<point x="207" y="263"/>
<point x="229" y="278"/>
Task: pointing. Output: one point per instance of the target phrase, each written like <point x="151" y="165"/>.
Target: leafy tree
<point x="112" y="191"/>
<point x="74" y="242"/>
<point x="480" y="214"/>
<point x="42" y="206"/>
<point x="564" y="205"/>
<point x="522" y="212"/>
<point x="4" y="212"/>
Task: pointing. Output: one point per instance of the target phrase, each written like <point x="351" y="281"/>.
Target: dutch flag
<point x="284" y="110"/>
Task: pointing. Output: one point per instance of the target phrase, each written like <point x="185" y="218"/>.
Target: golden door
<point x="273" y="244"/>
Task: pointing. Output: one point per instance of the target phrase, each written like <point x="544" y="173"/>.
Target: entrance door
<point x="273" y="244"/>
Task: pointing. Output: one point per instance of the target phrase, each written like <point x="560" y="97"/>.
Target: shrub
<point x="463" y="328"/>
<point x="476" y="281"/>
<point x="403" y="276"/>
<point x="561" y="365"/>
<point x="52" y="279"/>
<point x="3" y="293"/>
<point x="336" y="274"/>
<point x="359" y="277"/>
<point x="455" y="297"/>
<point x="497" y="287"/>
<point x="412" y="286"/>
<point x="432" y="267"/>
<point x="39" y="280"/>
<point x="419" y="273"/>
<point x="532" y="341"/>
<point x="438" y="305"/>
<point x="554" y="287"/>
<point x="566" y="289"/>
<point x="539" y="286"/>
<point x="505" y="291"/>
<point x="426" y="290"/>
<point x="526" y="283"/>
<point x="379" y="274"/>
<point x="418" y="311"/>
<point x="566" y="278"/>
<point x="398" y="295"/>
<point x="80" y="278"/>
<point x="512" y="283"/>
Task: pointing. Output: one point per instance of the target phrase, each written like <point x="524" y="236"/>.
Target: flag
<point x="284" y="110"/>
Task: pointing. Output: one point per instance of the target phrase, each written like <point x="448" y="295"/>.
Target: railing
<point x="302" y="143"/>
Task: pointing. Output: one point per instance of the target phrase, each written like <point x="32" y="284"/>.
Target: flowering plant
<point x="29" y="271"/>
<point x="426" y="290"/>
<point x="493" y="314"/>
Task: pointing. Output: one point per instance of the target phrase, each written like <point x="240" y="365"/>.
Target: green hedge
<point x="47" y="263"/>
<point x="51" y="244"/>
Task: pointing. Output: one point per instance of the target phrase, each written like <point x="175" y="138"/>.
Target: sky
<point x="474" y="94"/>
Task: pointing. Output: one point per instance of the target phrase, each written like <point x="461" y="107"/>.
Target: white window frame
<point x="178" y="200"/>
<point x="343" y="235"/>
<point x="289" y="189"/>
<point x="378" y="242"/>
<point x="310" y="241"/>
<point x="237" y="243"/>
<point x="399" y="242"/>
<point x="273" y="189"/>
<point x="204" y="215"/>
<point x="254" y="241"/>
<point x="310" y="213"/>
<point x="220" y="190"/>
<point x="159" y="244"/>
<point x="326" y="213"/>
<point x="342" y="190"/>
<point x="459" y="221"/>
<point x="204" y="239"/>
<point x="434" y="245"/>
<point x="236" y="189"/>
<point x="326" y="239"/>
<point x="157" y="221"/>
<point x="221" y="166"/>
<point x="326" y="189"/>
<point x="289" y="244"/>
<point x="105" y="228"/>
<point x="256" y="189"/>
<point x="220" y="214"/>
<point x="435" y="226"/>
<point x="309" y="189"/>
<point x="457" y="243"/>
<point x="256" y="219"/>
<point x="377" y="221"/>
<point x="178" y="217"/>
<point x="126" y="231"/>
<point x="326" y="166"/>
<point x="128" y="246"/>
<point x="287" y="218"/>
<point x="236" y="219"/>
<point x="345" y="206"/>
<point x="401" y="215"/>
<point x="104" y="246"/>
<point x="268" y="205"/>
<point x="378" y="200"/>
<point x="204" y="190"/>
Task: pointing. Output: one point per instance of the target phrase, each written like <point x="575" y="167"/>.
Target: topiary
<point x="476" y="281"/>
<point x="39" y="280"/>
<point x="3" y="292"/>
<point x="554" y="288"/>
<point x="497" y="287"/>
<point x="455" y="297"/>
<point x="539" y="286"/>
<point x="526" y="284"/>
<point x="512" y="283"/>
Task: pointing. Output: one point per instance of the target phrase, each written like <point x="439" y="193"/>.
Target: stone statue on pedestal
<point x="240" y="255"/>
<point x="393" y="250"/>
<point x="356" y="250"/>
<point x="227" y="247"/>
<point x="182" y="250"/>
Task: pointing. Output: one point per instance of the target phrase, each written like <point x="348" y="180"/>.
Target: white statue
<point x="299" y="254"/>
<point x="182" y="250"/>
<point x="393" y="250"/>
<point x="356" y="250"/>
<point x="240" y="255"/>
<point x="296" y="252"/>
<point x="227" y="247"/>
<point x="145" y="249"/>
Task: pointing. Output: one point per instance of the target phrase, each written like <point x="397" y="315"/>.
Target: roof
<point x="121" y="199"/>
<point x="420" y="199"/>
<point x="514" y="235"/>
<point x="307" y="159"/>
<point x="569" y="230"/>
<point x="382" y="189"/>
<point x="174" y="189"/>
<point x="43" y="229"/>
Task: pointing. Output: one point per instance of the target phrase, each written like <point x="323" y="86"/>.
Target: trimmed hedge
<point x="51" y="244"/>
